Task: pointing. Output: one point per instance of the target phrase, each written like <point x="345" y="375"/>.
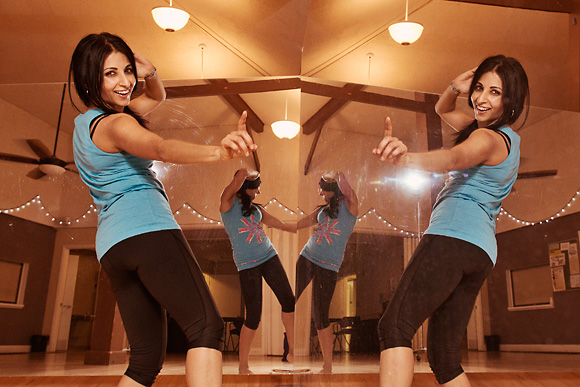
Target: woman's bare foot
<point x="326" y="369"/>
<point x="245" y="370"/>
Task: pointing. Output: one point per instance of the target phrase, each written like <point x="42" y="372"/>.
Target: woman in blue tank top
<point x="255" y="258"/>
<point x="139" y="244"/>
<point x="322" y="256"/>
<point x="458" y="250"/>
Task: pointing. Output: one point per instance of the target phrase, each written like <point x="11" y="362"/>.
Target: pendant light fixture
<point x="285" y="128"/>
<point x="169" y="18"/>
<point x="406" y="32"/>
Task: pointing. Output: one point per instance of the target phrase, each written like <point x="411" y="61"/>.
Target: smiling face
<point x="487" y="99"/>
<point x="118" y="81"/>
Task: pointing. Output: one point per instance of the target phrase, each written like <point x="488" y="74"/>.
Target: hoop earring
<point x="513" y="112"/>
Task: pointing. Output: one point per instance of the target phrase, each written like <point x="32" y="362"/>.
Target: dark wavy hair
<point x="515" y="92"/>
<point x="86" y="69"/>
<point x="331" y="208"/>
<point x="248" y="207"/>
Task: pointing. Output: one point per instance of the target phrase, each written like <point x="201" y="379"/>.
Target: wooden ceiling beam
<point x="327" y="111"/>
<point x="312" y="149"/>
<point x="563" y="6"/>
<point x="253" y="122"/>
<point x="314" y="123"/>
<point x="239" y="105"/>
<point x="223" y="87"/>
<point x="364" y="97"/>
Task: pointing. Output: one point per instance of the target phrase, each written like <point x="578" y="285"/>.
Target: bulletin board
<point x="565" y="265"/>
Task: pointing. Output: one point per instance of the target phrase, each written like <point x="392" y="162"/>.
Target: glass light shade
<point x="285" y="129"/>
<point x="169" y="18"/>
<point x="406" y="32"/>
<point x="51" y="169"/>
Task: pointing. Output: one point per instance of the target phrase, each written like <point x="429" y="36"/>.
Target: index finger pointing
<point x="388" y="127"/>
<point x="242" y="121"/>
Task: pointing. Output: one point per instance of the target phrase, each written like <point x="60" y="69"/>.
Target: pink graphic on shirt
<point x="253" y="228"/>
<point x="325" y="230"/>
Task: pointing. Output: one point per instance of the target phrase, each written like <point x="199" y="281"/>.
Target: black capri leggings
<point x="251" y="283"/>
<point x="153" y="273"/>
<point x="441" y="282"/>
<point x="324" y="282"/>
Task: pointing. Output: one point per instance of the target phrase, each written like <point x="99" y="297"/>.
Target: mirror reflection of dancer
<point x="322" y="255"/>
<point x="255" y="257"/>
<point x="459" y="248"/>
<point x="139" y="244"/>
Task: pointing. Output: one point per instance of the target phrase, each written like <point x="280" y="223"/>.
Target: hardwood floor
<point x="499" y="369"/>
<point x="484" y="379"/>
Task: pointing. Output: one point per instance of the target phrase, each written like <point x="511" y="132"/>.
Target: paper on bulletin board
<point x="573" y="260"/>
<point x="564" y="246"/>
<point x="557" y="258"/>
<point x="558" y="280"/>
<point x="575" y="281"/>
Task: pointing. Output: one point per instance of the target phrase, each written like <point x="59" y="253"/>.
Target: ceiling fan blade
<point x="18" y="159"/>
<point x="39" y="148"/>
<point x="540" y="173"/>
<point x="35" y="174"/>
<point x="73" y="170"/>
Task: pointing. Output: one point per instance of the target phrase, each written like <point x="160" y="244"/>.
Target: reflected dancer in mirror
<point x="322" y="256"/>
<point x="255" y="258"/>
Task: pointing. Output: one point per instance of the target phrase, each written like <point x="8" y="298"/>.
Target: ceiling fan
<point x="48" y="163"/>
<point x="540" y="173"/>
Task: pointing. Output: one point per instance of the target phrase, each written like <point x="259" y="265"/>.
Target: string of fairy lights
<point x="185" y="208"/>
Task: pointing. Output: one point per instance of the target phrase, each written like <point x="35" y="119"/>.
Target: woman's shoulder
<point x="483" y="134"/>
<point x="89" y="114"/>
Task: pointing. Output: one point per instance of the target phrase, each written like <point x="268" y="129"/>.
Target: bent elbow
<point x="163" y="151"/>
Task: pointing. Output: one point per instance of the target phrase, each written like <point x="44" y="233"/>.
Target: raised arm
<point x="308" y="220"/>
<point x="446" y="105"/>
<point x="121" y="132"/>
<point x="272" y="221"/>
<point x="483" y="146"/>
<point x="154" y="90"/>
<point x="349" y="194"/>
<point x="229" y="193"/>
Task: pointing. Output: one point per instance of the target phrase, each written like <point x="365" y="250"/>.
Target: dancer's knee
<point x="395" y="333"/>
<point x="445" y="373"/>
<point x="253" y="319"/>
<point x="210" y="335"/>
<point x="144" y="367"/>
<point x="445" y="362"/>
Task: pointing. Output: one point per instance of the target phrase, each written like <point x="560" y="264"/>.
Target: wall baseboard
<point x="560" y="348"/>
<point x="14" y="348"/>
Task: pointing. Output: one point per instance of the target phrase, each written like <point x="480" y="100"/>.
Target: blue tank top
<point x="467" y="206"/>
<point x="128" y="197"/>
<point x="250" y="244"/>
<point x="326" y="246"/>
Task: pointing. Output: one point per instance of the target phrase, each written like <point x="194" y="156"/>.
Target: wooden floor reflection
<point x="496" y="369"/>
